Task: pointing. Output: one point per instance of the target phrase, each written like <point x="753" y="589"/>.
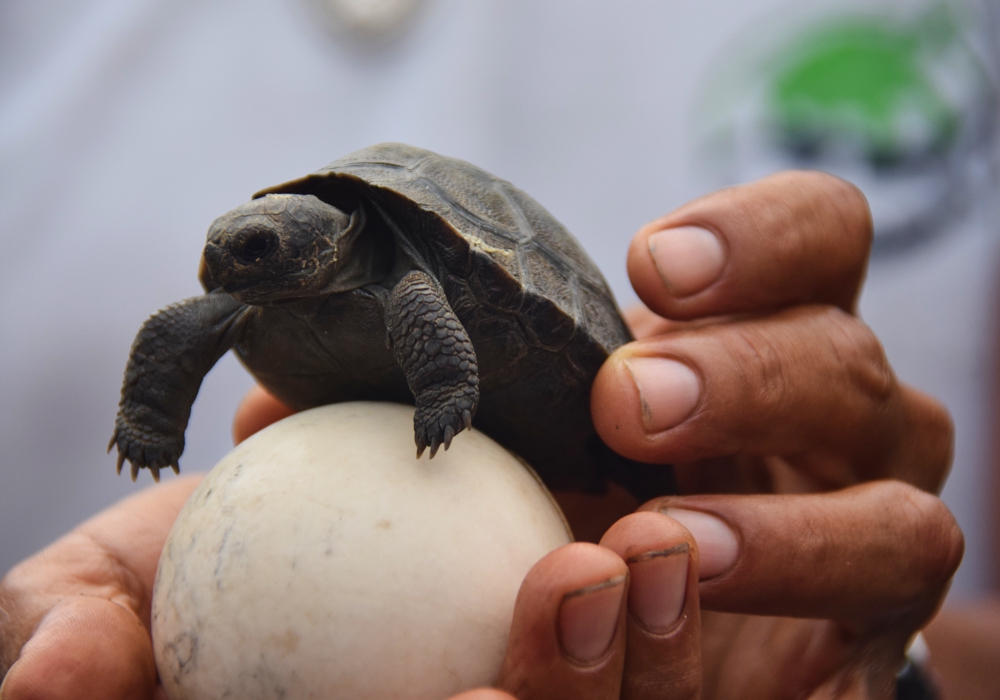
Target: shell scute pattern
<point x="478" y="263"/>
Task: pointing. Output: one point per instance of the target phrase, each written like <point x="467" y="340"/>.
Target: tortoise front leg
<point x="437" y="357"/>
<point x="172" y="353"/>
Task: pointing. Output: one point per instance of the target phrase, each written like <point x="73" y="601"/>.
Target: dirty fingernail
<point x="688" y="258"/>
<point x="718" y="547"/>
<point x="669" y="391"/>
<point x="588" y="619"/>
<point x="659" y="583"/>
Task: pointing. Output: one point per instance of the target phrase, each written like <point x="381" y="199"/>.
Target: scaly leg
<point x="437" y="357"/>
<point x="172" y="353"/>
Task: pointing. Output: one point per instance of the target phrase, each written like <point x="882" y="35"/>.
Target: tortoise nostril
<point x="255" y="247"/>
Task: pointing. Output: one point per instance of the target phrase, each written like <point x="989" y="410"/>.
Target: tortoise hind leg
<point x="436" y="355"/>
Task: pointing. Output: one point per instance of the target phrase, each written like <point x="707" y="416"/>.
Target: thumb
<point x="84" y="648"/>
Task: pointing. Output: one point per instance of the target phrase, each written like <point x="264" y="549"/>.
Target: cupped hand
<point x="751" y="371"/>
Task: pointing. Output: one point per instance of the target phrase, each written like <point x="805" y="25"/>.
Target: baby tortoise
<point x="395" y="274"/>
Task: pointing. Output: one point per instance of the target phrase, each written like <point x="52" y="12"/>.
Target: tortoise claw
<point x="436" y="425"/>
<point x="143" y="449"/>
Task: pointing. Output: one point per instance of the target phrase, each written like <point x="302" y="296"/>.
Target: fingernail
<point x="658" y="587"/>
<point x="588" y="618"/>
<point x="718" y="547"/>
<point x="669" y="391"/>
<point x="688" y="258"/>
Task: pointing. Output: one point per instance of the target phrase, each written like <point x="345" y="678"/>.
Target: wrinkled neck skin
<point x="282" y="248"/>
<point x="356" y="260"/>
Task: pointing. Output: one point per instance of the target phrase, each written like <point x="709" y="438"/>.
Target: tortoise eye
<point x="255" y="247"/>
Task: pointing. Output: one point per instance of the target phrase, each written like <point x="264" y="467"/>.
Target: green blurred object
<point x="895" y="96"/>
<point x="864" y="84"/>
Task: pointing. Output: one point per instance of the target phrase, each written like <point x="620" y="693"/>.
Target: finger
<point x="484" y="694"/>
<point x="807" y="381"/>
<point x="85" y="648"/>
<point x="567" y="638"/>
<point x="258" y="410"/>
<point x="876" y="553"/>
<point x="792" y="238"/>
<point x="663" y="629"/>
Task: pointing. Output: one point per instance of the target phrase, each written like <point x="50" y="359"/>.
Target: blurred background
<point x="127" y="126"/>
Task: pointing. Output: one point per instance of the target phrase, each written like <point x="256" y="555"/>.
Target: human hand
<point x="800" y="596"/>
<point x="763" y="380"/>
<point x="756" y="374"/>
<point x="76" y="615"/>
<point x="869" y="565"/>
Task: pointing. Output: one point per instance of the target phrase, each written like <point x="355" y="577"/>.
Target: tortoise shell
<point x="537" y="309"/>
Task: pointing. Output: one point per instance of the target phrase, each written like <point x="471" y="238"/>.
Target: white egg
<point x="321" y="559"/>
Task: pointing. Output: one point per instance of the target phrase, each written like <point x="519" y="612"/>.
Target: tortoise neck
<point x="364" y="254"/>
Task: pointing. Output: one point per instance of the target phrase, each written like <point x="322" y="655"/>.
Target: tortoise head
<point x="284" y="246"/>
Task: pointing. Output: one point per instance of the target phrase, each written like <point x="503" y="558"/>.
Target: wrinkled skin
<point x="837" y="550"/>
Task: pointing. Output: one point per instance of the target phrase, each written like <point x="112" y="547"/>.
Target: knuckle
<point x="855" y="205"/>
<point x="836" y="212"/>
<point x="940" y="423"/>
<point x="857" y="349"/>
<point x="934" y="416"/>
<point x="938" y="540"/>
<point x="929" y="445"/>
<point x="935" y="425"/>
<point x="848" y="202"/>
<point x="761" y="366"/>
